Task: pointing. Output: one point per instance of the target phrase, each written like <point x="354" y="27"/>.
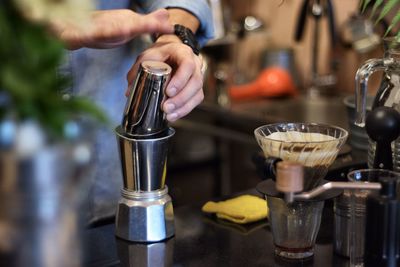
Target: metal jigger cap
<point x="143" y="115"/>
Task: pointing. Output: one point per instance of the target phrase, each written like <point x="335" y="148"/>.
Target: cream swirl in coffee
<point x="309" y="149"/>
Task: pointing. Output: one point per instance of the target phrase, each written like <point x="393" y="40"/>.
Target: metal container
<point x="144" y="161"/>
<point x="143" y="115"/>
<point x="145" y="211"/>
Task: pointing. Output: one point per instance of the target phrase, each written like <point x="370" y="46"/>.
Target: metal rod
<point x="336" y="185"/>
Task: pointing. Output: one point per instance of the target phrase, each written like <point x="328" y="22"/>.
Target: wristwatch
<point x="187" y="37"/>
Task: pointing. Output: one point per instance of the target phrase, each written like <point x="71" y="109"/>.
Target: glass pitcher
<point x="388" y="93"/>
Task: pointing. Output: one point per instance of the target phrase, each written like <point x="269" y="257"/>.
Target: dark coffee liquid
<point x="313" y="176"/>
<point x="294" y="250"/>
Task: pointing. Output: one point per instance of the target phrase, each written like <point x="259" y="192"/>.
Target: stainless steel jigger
<point x="145" y="211"/>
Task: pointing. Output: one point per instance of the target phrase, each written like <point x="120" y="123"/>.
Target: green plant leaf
<point x="388" y="6"/>
<point x="377" y="4"/>
<point x="393" y="23"/>
<point x="364" y="4"/>
<point x="385" y="10"/>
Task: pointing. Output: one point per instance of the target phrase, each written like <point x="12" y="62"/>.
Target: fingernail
<point x="172" y="91"/>
<point x="172" y="116"/>
<point x="169" y="107"/>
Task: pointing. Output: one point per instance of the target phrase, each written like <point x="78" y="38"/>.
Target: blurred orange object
<point x="272" y="82"/>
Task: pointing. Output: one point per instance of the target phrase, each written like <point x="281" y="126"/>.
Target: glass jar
<point x="387" y="95"/>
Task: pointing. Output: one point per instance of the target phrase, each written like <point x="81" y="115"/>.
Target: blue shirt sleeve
<point x="198" y="8"/>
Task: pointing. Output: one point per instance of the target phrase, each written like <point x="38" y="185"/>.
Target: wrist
<point x="187" y="37"/>
<point x="185" y="27"/>
<point x="167" y="38"/>
<point x="182" y="35"/>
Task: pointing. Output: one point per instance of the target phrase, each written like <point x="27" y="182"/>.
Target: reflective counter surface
<point x="203" y="240"/>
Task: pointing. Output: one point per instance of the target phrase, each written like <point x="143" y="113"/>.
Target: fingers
<point x="115" y="27"/>
<point x="187" y="107"/>
<point x="185" y="89"/>
<point x="186" y="68"/>
<point x="168" y="49"/>
<point x="111" y="28"/>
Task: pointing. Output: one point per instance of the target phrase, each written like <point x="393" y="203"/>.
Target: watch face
<point x="187" y="37"/>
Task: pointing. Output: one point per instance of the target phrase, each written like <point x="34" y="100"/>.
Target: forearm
<point x="193" y="9"/>
<point x="183" y="17"/>
<point x="111" y="28"/>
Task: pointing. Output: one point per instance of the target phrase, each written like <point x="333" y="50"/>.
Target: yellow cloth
<point x="242" y="209"/>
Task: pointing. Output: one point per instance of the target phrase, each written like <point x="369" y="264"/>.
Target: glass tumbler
<point x="294" y="226"/>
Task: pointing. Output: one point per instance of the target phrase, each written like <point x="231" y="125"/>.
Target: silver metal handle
<point x="336" y="185"/>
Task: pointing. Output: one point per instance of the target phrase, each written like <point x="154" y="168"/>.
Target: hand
<point x="111" y="28"/>
<point x="185" y="89"/>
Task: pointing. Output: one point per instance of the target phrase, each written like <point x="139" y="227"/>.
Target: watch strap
<point x="187" y="37"/>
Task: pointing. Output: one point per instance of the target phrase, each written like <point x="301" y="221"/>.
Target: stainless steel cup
<point x="144" y="161"/>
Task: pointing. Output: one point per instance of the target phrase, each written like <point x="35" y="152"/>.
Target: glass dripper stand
<point x="295" y="225"/>
<point x="315" y="146"/>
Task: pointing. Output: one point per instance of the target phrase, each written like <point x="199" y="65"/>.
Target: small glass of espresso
<point x="294" y="226"/>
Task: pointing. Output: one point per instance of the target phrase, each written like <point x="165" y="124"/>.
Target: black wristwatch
<point x="187" y="37"/>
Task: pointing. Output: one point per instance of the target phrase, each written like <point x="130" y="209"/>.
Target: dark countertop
<point x="202" y="240"/>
